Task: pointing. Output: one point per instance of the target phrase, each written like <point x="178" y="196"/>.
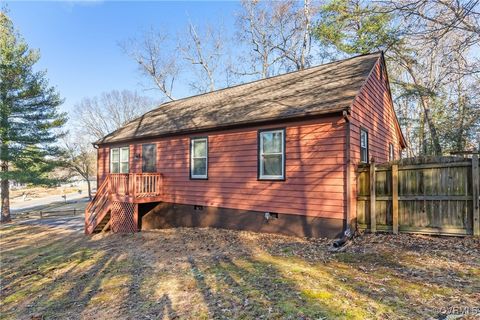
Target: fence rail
<point x="434" y="196"/>
<point x="50" y="213"/>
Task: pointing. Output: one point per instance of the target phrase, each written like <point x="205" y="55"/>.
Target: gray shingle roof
<point x="318" y="90"/>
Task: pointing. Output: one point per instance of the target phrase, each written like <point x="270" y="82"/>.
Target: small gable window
<point x="271" y="155"/>
<point x="391" y="152"/>
<point x="119" y="158"/>
<point x="199" y="158"/>
<point x="363" y="146"/>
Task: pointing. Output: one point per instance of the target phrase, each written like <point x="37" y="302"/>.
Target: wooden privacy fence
<point x="420" y="195"/>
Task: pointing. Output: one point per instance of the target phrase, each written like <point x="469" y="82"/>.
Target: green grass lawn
<point x="205" y="273"/>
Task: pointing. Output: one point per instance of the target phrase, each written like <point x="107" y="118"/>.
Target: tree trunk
<point x="5" y="195"/>
<point x="460" y="139"/>
<point x="437" y="149"/>
<point x="306" y="34"/>
<point x="425" y="102"/>
<point x="89" y="190"/>
<point x="422" y="150"/>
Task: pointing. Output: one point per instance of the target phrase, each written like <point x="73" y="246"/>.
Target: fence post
<point x="373" y="218"/>
<point x="395" y="198"/>
<point x="476" y="195"/>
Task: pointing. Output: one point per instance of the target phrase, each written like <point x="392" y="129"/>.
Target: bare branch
<point x="96" y="117"/>
<point x="155" y="60"/>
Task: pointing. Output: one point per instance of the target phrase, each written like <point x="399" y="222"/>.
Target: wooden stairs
<point x="104" y="224"/>
<point x="123" y="187"/>
<point x="98" y="211"/>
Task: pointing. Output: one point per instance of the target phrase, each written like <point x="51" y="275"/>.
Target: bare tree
<point x="98" y="116"/>
<point x="430" y="49"/>
<point x="462" y="105"/>
<point x="437" y="57"/>
<point x="277" y="34"/>
<point x="156" y="59"/>
<point x="440" y="17"/>
<point x="453" y="25"/>
<point x="81" y="159"/>
<point x="256" y="30"/>
<point x="424" y="82"/>
<point x="294" y="26"/>
<point x="204" y="52"/>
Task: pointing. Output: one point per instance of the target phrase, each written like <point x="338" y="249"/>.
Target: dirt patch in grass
<point x="208" y="273"/>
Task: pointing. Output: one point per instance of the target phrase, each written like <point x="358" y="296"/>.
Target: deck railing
<point x="136" y="185"/>
<point x="141" y="187"/>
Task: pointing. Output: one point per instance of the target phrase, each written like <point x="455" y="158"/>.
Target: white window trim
<point x="120" y="150"/>
<point x="192" y="158"/>
<point x="366" y="147"/>
<point x="111" y="159"/>
<point x="262" y="176"/>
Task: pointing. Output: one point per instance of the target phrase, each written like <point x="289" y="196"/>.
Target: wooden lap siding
<point x="135" y="164"/>
<point x="103" y="164"/>
<point x="315" y="170"/>
<point x="373" y="110"/>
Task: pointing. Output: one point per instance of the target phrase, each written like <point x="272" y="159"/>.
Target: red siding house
<point x="274" y="155"/>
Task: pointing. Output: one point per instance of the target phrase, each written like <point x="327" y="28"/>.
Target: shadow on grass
<point x="259" y="289"/>
<point x="192" y="273"/>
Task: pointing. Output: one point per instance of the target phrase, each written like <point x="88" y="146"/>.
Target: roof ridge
<point x="264" y="79"/>
<point x="238" y="85"/>
<point x="216" y="94"/>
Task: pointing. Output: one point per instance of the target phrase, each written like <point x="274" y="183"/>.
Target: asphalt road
<point x="75" y="224"/>
<point x="53" y="203"/>
<point x="43" y="202"/>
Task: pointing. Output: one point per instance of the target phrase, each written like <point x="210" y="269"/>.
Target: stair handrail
<point x="102" y="191"/>
<point x="97" y="216"/>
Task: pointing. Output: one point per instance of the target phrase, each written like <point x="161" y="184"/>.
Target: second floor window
<point x="119" y="158"/>
<point x="363" y="146"/>
<point x="199" y="158"/>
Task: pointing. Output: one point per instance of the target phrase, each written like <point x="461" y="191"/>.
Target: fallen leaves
<point x="211" y="273"/>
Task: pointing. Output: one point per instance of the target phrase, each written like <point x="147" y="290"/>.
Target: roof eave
<point x="331" y="111"/>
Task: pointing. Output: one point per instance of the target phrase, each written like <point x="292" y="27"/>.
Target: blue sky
<point x="78" y="41"/>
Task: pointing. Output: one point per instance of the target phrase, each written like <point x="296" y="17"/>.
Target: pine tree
<point x="353" y="27"/>
<point x="29" y="116"/>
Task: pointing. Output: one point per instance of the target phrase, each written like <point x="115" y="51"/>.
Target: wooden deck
<point x="135" y="187"/>
<point x="117" y="188"/>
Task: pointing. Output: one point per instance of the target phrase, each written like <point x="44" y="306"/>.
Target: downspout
<point x="347" y="234"/>
<point x="346" y="117"/>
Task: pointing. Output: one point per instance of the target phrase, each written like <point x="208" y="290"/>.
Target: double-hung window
<point x="271" y="155"/>
<point x="199" y="158"/>
<point x="363" y="145"/>
<point x="119" y="160"/>
<point x="149" y="158"/>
